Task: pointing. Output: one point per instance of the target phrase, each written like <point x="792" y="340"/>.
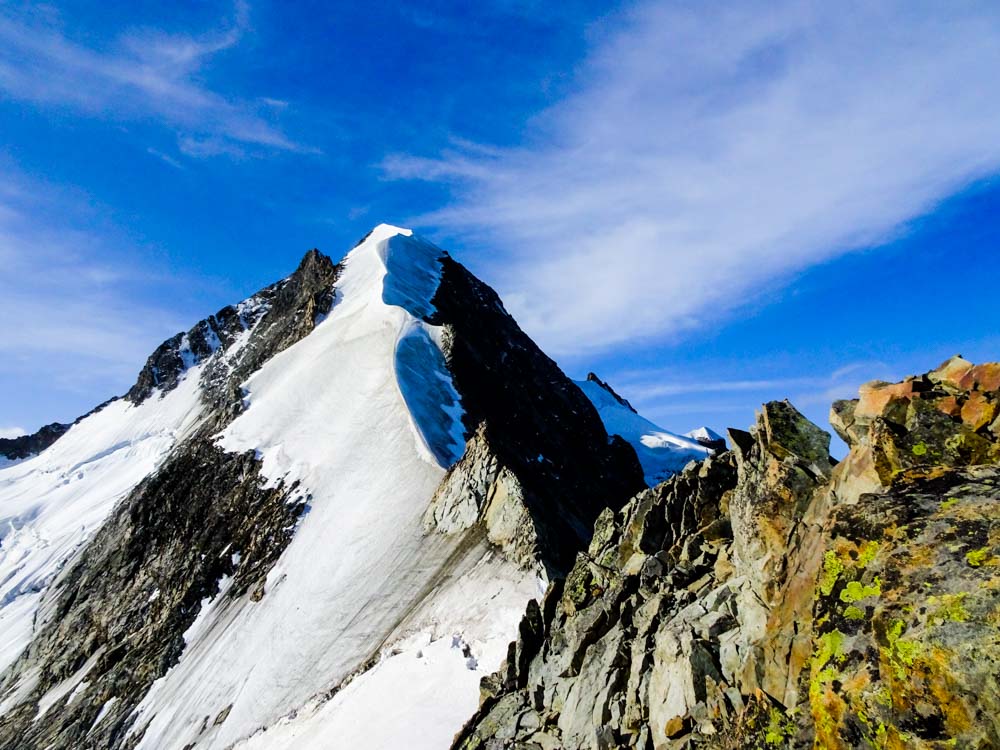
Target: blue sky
<point x="710" y="204"/>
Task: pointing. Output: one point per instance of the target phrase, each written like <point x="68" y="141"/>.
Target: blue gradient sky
<point x="711" y="205"/>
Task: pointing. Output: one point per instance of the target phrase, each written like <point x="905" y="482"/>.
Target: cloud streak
<point x="75" y="306"/>
<point x="144" y="74"/>
<point x="711" y="150"/>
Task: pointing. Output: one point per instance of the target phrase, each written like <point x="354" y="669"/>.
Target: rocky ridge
<point x="23" y="446"/>
<point x="539" y="463"/>
<point x="114" y="619"/>
<point x="770" y="597"/>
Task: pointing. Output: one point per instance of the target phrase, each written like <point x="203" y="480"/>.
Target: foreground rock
<point x="769" y="598"/>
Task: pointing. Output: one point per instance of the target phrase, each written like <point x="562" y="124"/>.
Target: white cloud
<point x="712" y="149"/>
<point x="7" y="433"/>
<point x="144" y="74"/>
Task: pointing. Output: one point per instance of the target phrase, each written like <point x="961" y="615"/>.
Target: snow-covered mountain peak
<point x="346" y="487"/>
<point x="379" y="234"/>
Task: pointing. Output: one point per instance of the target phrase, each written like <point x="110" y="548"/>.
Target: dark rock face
<point x="28" y="445"/>
<point x="768" y="598"/>
<point x="280" y="315"/>
<point x="532" y="422"/>
<point x="120" y="611"/>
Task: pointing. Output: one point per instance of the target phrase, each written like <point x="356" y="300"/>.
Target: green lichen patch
<point x="901" y="652"/>
<point x="829" y="646"/>
<point x="832" y="568"/>
<point x="854" y="613"/>
<point x="867" y="553"/>
<point x="979" y="557"/>
<point x="947" y="608"/>
<point x="856" y="591"/>
<point x="780" y="728"/>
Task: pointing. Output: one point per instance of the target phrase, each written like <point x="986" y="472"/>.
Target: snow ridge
<point x="661" y="453"/>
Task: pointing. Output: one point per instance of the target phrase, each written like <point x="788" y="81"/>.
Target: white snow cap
<point x="704" y="433"/>
<point x="380" y="233"/>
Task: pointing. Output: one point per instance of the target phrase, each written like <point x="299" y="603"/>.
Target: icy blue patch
<point x="413" y="273"/>
<point x="429" y="394"/>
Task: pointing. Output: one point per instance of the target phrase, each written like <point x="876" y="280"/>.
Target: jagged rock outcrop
<point x="769" y="598"/>
<point x="287" y="311"/>
<point x="279" y="314"/>
<point x="23" y="446"/>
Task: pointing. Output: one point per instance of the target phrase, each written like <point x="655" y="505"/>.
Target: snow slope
<point x="51" y="504"/>
<point x="661" y="453"/>
<point x="364" y="414"/>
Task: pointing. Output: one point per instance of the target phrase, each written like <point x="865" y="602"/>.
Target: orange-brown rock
<point x="876" y="396"/>
<point x="978" y="410"/>
<point x="951" y="372"/>
<point x="949" y="405"/>
<point x="984" y="377"/>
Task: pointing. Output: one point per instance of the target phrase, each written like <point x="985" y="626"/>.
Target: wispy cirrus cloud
<point x="711" y="150"/>
<point x="144" y="74"/>
<point x="74" y="305"/>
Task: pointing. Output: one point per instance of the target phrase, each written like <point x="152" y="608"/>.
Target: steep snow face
<point x="661" y="453"/>
<point x="363" y="414"/>
<point x="51" y="504"/>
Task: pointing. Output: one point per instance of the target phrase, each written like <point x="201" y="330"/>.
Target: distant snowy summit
<point x="660" y="452"/>
<point x="346" y="487"/>
<point x="708" y="438"/>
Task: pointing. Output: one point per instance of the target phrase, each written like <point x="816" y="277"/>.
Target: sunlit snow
<point x="661" y="453"/>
